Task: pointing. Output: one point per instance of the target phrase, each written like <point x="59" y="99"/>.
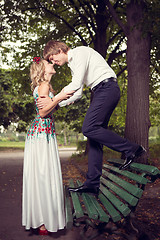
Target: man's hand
<point x="70" y="103"/>
<point x="43" y="101"/>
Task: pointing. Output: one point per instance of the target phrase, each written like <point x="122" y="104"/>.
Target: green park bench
<point x="113" y="209"/>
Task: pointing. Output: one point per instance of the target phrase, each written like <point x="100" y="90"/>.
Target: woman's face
<point x="49" y="69"/>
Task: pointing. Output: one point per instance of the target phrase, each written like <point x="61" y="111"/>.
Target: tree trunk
<point x="101" y="21"/>
<point x="138" y="62"/>
<point x="100" y="40"/>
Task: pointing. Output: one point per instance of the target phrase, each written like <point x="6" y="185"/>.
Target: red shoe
<point x="43" y="232"/>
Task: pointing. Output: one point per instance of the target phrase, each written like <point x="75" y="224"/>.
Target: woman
<point x="43" y="204"/>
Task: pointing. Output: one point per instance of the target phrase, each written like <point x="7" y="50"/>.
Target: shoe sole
<point x="139" y="155"/>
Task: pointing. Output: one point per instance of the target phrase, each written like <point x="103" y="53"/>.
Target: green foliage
<point x="155" y="150"/>
<point x="25" y="28"/>
<point x="155" y="109"/>
<point x="81" y="145"/>
<point x="7" y="94"/>
<point x="15" y="104"/>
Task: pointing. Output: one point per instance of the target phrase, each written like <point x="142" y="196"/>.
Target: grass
<point x="7" y="145"/>
<point x="11" y="145"/>
<point x="154" y="150"/>
<point x="154" y="153"/>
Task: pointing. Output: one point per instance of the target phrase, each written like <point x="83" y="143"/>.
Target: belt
<point x="111" y="79"/>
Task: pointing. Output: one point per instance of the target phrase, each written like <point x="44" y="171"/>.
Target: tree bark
<point x="99" y="41"/>
<point x="101" y="21"/>
<point x="138" y="65"/>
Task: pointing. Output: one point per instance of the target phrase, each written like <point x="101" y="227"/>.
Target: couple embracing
<point x="43" y="202"/>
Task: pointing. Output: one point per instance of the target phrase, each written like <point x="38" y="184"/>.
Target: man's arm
<point x="46" y="105"/>
<point x="78" y="66"/>
<point x="77" y="95"/>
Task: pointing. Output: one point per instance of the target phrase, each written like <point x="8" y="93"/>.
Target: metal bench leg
<point x="129" y="226"/>
<point x="88" y="224"/>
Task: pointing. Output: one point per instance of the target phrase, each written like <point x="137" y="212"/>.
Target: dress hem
<point x="52" y="231"/>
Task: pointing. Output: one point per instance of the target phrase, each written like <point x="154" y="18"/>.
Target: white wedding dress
<point x="43" y="201"/>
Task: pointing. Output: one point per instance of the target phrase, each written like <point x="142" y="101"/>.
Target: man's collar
<point x="69" y="53"/>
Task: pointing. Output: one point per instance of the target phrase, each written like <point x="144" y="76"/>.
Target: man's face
<point x="59" y="59"/>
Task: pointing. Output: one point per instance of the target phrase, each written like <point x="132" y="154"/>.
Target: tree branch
<point x="119" y="43"/>
<point x="156" y="69"/>
<point x="112" y="38"/>
<point x="114" y="55"/>
<point x="116" y="18"/>
<point x="64" y="21"/>
<point x="122" y="70"/>
<point x="90" y="15"/>
<point x="41" y="6"/>
<point x="83" y="17"/>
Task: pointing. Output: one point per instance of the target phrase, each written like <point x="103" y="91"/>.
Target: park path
<point x="11" y="165"/>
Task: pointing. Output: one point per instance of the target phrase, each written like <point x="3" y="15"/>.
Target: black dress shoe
<point x="141" y="150"/>
<point x="85" y="189"/>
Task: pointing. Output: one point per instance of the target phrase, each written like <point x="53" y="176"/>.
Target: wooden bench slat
<point x="103" y="217"/>
<point x="120" y="192"/>
<point x="124" y="184"/>
<point x="152" y="170"/>
<point x="130" y="175"/>
<point x="68" y="210"/>
<point x="92" y="212"/>
<point x="109" y="207"/>
<point x="123" y="208"/>
<point x="76" y="203"/>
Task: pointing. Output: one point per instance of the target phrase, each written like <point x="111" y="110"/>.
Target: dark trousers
<point x="105" y="99"/>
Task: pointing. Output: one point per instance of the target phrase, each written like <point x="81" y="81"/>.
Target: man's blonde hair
<point x="53" y="48"/>
<point x="37" y="74"/>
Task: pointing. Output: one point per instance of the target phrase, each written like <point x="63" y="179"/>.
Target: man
<point x="90" y="68"/>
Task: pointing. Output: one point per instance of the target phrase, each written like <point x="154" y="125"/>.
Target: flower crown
<point x="36" y="59"/>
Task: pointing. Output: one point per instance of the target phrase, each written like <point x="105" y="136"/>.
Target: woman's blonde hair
<point x="37" y="74"/>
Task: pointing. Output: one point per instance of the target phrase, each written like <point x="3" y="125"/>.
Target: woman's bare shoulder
<point x="44" y="88"/>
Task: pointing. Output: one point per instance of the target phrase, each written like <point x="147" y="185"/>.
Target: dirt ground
<point x="148" y="210"/>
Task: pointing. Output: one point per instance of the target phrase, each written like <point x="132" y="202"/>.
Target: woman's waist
<point x="47" y="117"/>
<point x="46" y="121"/>
<point x="40" y="125"/>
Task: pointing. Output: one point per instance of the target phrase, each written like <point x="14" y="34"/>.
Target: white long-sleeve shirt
<point x="87" y="67"/>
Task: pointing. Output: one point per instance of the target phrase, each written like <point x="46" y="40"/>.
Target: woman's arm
<point x="43" y="90"/>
